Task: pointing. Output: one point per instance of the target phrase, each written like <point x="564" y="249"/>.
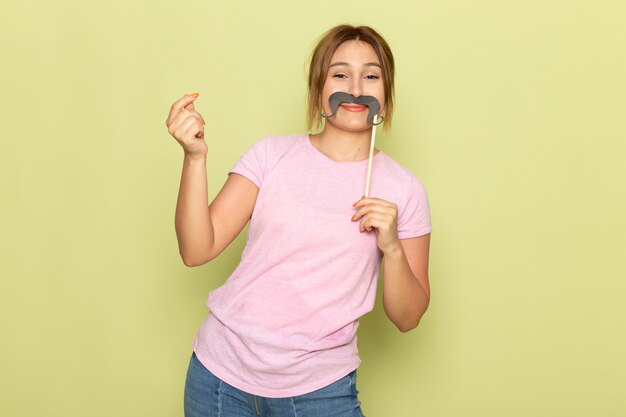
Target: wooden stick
<point x="369" y="164"/>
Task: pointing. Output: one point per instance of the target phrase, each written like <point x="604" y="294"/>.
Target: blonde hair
<point x="320" y="62"/>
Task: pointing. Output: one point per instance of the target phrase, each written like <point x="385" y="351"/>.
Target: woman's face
<point x="355" y="69"/>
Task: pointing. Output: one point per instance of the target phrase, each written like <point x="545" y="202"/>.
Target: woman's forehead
<point x="354" y="51"/>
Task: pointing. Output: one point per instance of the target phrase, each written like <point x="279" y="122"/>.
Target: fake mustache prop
<point x="371" y="102"/>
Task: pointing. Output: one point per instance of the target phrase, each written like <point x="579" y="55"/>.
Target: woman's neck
<point x="343" y="146"/>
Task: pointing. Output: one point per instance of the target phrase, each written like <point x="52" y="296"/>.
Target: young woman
<point x="280" y="336"/>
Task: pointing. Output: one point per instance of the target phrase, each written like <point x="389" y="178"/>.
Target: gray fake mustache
<point x="371" y="102"/>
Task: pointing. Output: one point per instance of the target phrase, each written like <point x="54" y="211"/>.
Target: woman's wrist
<point x="395" y="251"/>
<point x="194" y="159"/>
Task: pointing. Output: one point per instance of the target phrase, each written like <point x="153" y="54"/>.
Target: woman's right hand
<point x="186" y="125"/>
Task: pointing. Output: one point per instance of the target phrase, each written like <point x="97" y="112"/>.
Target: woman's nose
<point x="355" y="87"/>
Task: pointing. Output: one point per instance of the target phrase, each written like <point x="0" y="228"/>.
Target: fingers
<point x="185" y="101"/>
<point x="190" y="129"/>
<point x="369" y="200"/>
<point x="380" y="221"/>
<point x="186" y="114"/>
<point x="181" y="123"/>
<point x="181" y="109"/>
<point x="374" y="212"/>
<point x="380" y="207"/>
<point x="190" y="109"/>
<point x="191" y="133"/>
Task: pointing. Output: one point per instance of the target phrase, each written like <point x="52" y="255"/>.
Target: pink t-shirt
<point x="284" y="323"/>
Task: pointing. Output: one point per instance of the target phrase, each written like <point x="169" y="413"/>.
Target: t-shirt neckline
<point x="307" y="139"/>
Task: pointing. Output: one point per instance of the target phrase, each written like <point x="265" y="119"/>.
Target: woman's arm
<point x="406" y="292"/>
<point x="204" y="231"/>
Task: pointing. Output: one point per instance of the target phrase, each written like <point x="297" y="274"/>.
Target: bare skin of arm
<point x="204" y="230"/>
<point x="406" y="290"/>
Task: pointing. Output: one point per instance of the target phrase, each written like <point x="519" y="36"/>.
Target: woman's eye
<point x="369" y="77"/>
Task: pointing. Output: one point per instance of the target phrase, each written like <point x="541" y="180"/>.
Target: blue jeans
<point x="208" y="396"/>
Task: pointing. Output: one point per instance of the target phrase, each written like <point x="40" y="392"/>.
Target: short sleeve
<point x="414" y="217"/>
<point x="253" y="163"/>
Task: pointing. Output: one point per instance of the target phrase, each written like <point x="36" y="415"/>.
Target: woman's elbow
<point x="193" y="261"/>
<point x="405" y="328"/>
<point x="408" y="326"/>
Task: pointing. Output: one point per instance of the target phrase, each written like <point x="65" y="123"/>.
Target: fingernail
<point x="195" y="95"/>
<point x="362" y="197"/>
<point x="354" y="205"/>
<point x="353" y="217"/>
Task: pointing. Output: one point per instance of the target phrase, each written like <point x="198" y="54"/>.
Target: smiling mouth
<point x="353" y="107"/>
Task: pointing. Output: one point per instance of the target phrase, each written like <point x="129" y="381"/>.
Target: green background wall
<point x="510" y="112"/>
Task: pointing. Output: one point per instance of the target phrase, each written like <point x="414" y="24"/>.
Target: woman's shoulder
<point x="277" y="142"/>
<point x="401" y="184"/>
<point x="272" y="148"/>
<point x="395" y="171"/>
<point x="283" y="137"/>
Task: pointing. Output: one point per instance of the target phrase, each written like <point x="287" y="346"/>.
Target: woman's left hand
<point x="381" y="215"/>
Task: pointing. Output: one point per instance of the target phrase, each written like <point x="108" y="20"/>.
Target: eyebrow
<point x="369" y="64"/>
